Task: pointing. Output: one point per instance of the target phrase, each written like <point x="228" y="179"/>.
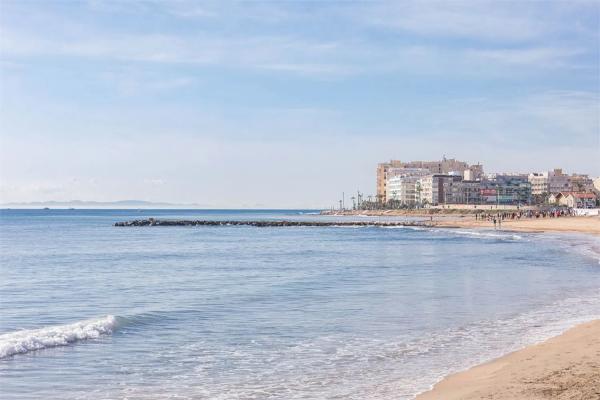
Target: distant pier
<point x="264" y="224"/>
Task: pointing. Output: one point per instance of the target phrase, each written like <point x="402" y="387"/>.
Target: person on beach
<point x="494" y="222"/>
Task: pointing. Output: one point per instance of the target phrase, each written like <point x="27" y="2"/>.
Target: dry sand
<point x="564" y="367"/>
<point x="590" y="225"/>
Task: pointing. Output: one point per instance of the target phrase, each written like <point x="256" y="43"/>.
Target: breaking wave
<point x="27" y="340"/>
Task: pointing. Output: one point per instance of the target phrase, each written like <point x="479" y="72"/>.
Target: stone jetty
<point x="264" y="223"/>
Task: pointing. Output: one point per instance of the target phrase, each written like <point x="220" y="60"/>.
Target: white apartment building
<point x="539" y="182"/>
<point x="402" y="189"/>
<point x="428" y="187"/>
<point x="404" y="185"/>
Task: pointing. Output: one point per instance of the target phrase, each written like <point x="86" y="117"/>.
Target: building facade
<point x="506" y="190"/>
<point x="558" y="181"/>
<point x="539" y="183"/>
<point x="403" y="185"/>
<point x="581" y="183"/>
<point x="382" y="177"/>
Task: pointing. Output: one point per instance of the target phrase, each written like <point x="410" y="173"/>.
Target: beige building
<point x="382" y="177"/>
<point x="581" y="183"/>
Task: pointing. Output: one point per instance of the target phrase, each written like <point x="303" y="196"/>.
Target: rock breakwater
<point x="262" y="224"/>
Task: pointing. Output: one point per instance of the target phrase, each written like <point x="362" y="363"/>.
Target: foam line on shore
<point x="24" y="341"/>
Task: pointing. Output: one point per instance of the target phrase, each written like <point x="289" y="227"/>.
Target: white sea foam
<point x="489" y="234"/>
<point x="27" y="340"/>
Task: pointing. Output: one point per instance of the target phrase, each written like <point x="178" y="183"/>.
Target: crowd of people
<point x="497" y="218"/>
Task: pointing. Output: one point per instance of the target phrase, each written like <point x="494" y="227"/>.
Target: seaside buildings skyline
<point x="451" y="181"/>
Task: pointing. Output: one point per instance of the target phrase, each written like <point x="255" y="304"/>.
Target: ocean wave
<point x="410" y="227"/>
<point x="27" y="340"/>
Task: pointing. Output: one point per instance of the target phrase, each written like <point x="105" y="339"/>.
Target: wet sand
<point x="566" y="367"/>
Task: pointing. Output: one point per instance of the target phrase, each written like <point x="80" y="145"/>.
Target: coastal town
<point x="450" y="183"/>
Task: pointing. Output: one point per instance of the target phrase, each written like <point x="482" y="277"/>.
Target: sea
<point x="93" y="311"/>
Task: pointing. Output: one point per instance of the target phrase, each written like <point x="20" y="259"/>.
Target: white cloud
<point x="494" y="21"/>
<point x="540" y="57"/>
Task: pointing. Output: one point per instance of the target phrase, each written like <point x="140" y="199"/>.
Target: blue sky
<point x="286" y="104"/>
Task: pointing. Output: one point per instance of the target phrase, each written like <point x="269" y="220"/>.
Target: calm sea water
<point x="91" y="311"/>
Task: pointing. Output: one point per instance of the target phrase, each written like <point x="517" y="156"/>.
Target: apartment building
<point x="558" y="181"/>
<point x="506" y="189"/>
<point x="403" y="185"/>
<point x="539" y="182"/>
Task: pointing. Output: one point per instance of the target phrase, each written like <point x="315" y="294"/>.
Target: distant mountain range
<point x="101" y="204"/>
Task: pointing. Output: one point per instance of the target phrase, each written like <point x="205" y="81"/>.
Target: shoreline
<point x="460" y="218"/>
<point x="566" y="366"/>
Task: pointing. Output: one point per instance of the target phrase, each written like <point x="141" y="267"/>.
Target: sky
<point x="287" y="104"/>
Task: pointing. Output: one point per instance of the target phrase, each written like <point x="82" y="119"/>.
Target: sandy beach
<point x="564" y="367"/>
<point x="588" y="225"/>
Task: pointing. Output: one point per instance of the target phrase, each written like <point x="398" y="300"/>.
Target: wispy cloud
<point x="540" y="57"/>
<point x="494" y="21"/>
<point x="272" y="47"/>
<point x="454" y="19"/>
